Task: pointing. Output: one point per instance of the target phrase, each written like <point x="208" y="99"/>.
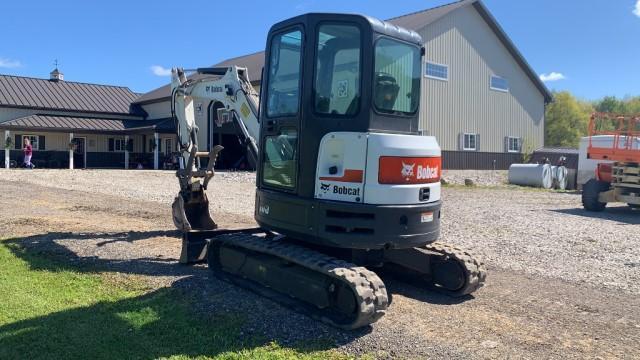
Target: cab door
<point x="281" y="113"/>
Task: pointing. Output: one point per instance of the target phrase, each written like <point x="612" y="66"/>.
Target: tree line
<point x="567" y="118"/>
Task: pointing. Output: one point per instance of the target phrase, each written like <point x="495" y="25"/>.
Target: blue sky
<point x="589" y="47"/>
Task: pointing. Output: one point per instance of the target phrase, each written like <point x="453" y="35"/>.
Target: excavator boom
<point x="231" y="87"/>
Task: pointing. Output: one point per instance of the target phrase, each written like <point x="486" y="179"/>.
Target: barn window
<point x="117" y="145"/>
<point x="499" y="83"/>
<point x="168" y="148"/>
<point x="437" y="71"/>
<point x="470" y="142"/>
<point x="513" y="144"/>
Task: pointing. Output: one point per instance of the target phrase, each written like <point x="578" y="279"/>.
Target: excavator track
<point x="441" y="267"/>
<point x="473" y="268"/>
<point x="325" y="288"/>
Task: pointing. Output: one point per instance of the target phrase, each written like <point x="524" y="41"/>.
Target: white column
<point x="155" y="151"/>
<point x="126" y="151"/>
<point x="70" y="151"/>
<point x="7" y="151"/>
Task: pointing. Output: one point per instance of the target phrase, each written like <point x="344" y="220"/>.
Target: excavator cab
<point x="341" y="92"/>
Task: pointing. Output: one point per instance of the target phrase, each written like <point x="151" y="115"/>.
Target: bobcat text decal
<point x="409" y="170"/>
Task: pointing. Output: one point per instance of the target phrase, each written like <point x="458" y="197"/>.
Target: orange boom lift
<point x="615" y="139"/>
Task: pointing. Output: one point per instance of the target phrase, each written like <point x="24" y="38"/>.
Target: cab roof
<point x="377" y="25"/>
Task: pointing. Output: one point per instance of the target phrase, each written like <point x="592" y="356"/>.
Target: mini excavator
<point x="345" y="184"/>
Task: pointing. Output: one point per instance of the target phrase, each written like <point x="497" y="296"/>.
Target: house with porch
<point x="79" y="125"/>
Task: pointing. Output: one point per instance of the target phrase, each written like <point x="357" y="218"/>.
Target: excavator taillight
<point x="397" y="170"/>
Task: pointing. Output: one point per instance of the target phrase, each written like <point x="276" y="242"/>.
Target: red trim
<point x="350" y="176"/>
<point x="624" y="130"/>
<point x="396" y="170"/>
<point x="604" y="172"/>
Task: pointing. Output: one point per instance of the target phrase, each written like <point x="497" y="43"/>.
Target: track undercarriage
<point x="328" y="285"/>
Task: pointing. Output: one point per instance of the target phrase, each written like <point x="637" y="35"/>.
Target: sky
<point x="589" y="47"/>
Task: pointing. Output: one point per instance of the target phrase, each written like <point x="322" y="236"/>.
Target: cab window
<point x="337" y="72"/>
<point x="280" y="159"/>
<point x="283" y="91"/>
<point x="397" y="77"/>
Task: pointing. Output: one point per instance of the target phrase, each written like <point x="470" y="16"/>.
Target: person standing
<point x="28" y="152"/>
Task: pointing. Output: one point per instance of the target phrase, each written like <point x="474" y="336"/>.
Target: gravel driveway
<point x="542" y="233"/>
<point x="563" y="283"/>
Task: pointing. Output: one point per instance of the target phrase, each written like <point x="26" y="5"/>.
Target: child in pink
<point x="28" y="151"/>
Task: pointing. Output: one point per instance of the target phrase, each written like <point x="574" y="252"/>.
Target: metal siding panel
<point x="73" y="95"/>
<point x="58" y="95"/>
<point x="51" y="95"/>
<point x="11" y="96"/>
<point x="464" y="41"/>
<point x="105" y="99"/>
<point x="123" y="99"/>
<point x="113" y="100"/>
<point x="43" y="99"/>
<point x="95" y="99"/>
<point x="4" y="93"/>
<point x="16" y="90"/>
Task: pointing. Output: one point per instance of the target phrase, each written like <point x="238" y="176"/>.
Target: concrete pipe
<point x="536" y="175"/>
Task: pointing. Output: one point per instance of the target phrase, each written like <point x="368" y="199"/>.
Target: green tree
<point x="610" y="104"/>
<point x="632" y="105"/>
<point x="566" y="120"/>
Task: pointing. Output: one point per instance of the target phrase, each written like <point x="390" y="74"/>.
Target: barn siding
<point x="460" y="160"/>
<point x="465" y="42"/>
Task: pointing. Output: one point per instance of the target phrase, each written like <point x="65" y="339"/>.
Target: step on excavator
<point x="345" y="184"/>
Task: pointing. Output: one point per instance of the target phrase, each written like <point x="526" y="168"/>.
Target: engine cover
<point x="378" y="168"/>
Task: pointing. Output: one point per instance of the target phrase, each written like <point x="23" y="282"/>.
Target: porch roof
<point x="56" y="123"/>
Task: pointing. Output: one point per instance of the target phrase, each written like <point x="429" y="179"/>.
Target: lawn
<point x="50" y="311"/>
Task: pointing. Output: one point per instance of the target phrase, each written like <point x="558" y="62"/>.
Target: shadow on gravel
<point x="620" y="214"/>
<point x="418" y="292"/>
<point x="66" y="259"/>
<point x="210" y="298"/>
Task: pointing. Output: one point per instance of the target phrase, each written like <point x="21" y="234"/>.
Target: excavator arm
<point x="231" y="87"/>
<point x="227" y="85"/>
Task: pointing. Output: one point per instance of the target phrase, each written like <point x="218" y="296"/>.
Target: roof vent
<point x="56" y="75"/>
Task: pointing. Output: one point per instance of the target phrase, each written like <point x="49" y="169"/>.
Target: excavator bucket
<point x="192" y="217"/>
<point x="192" y="214"/>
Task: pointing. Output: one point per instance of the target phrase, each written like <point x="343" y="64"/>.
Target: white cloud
<point x="9" y="63"/>
<point x="160" y="71"/>
<point x="636" y="9"/>
<point x="552" y="76"/>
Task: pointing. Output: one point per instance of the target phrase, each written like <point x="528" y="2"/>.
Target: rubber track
<point x="368" y="288"/>
<point x="475" y="271"/>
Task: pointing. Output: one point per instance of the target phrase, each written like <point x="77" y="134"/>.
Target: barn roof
<point x="56" y="123"/>
<point x="35" y="93"/>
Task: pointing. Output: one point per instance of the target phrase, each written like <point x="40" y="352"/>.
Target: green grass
<point x="49" y="310"/>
